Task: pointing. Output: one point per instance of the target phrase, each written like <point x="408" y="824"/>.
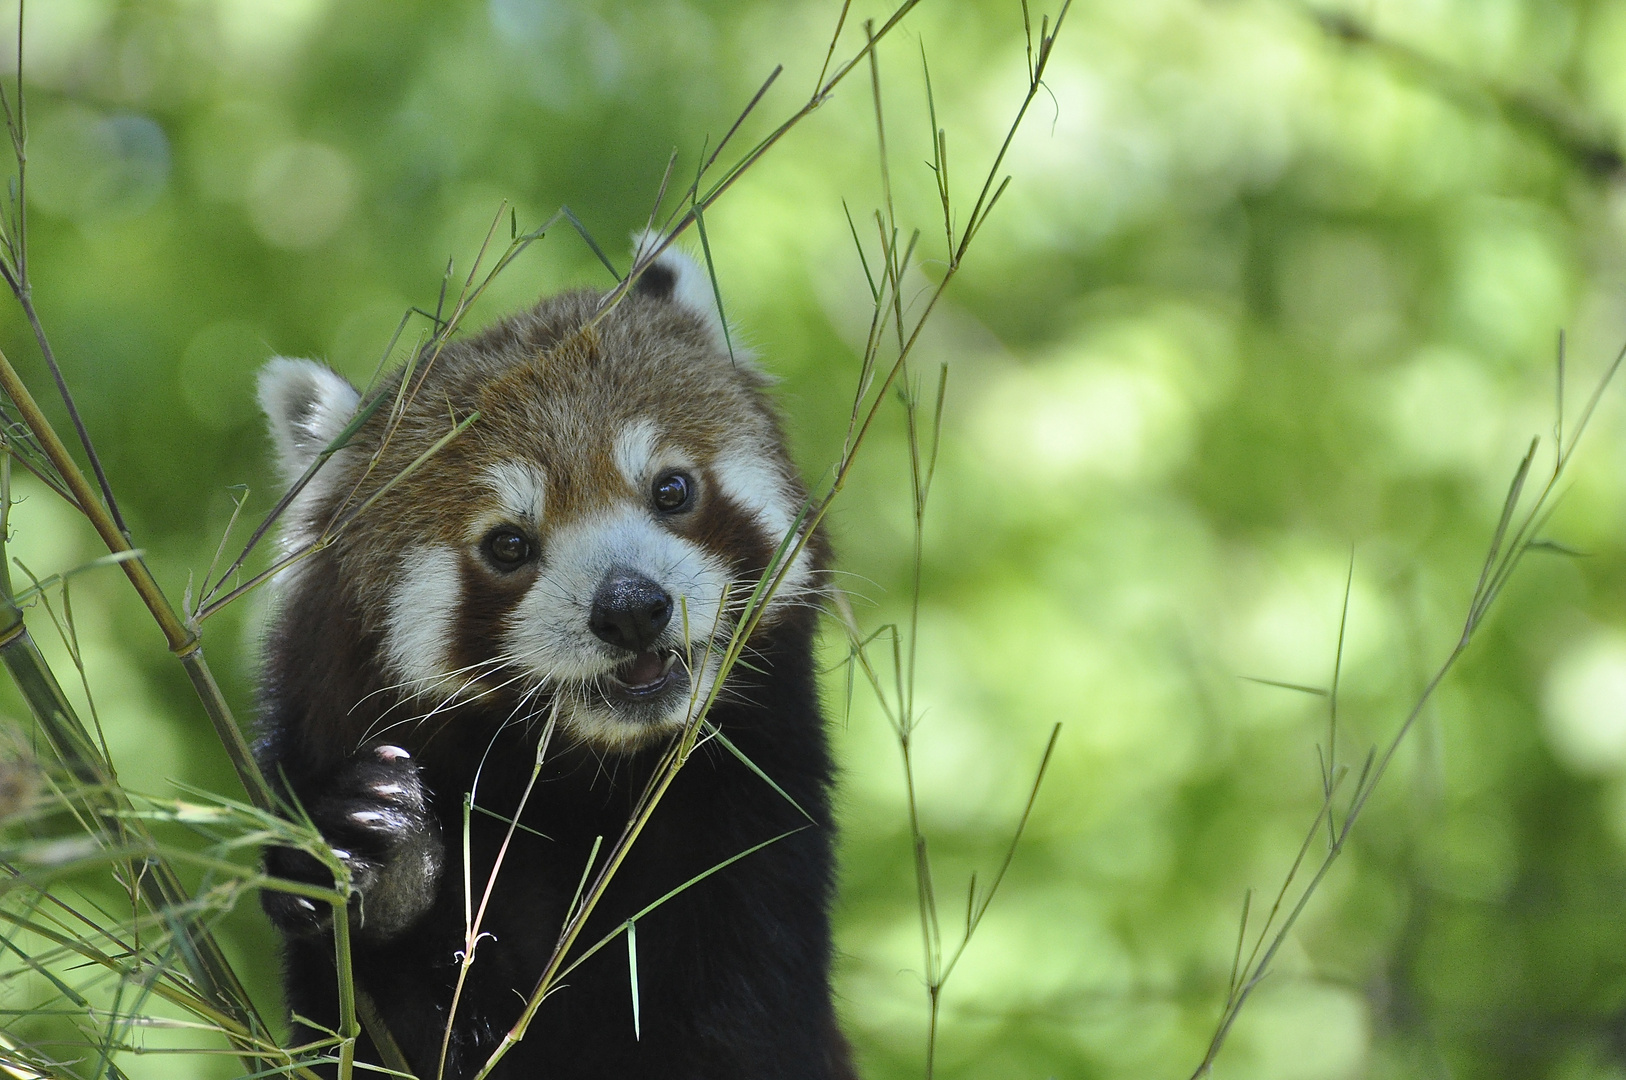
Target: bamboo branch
<point x="183" y="641"/>
<point x="100" y="793"/>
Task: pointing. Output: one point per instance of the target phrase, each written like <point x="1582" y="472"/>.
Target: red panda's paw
<point x="295" y="916"/>
<point x="376" y="816"/>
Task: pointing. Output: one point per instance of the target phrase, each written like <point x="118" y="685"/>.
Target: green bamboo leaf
<point x="632" y="977"/>
<point x="716" y="733"/>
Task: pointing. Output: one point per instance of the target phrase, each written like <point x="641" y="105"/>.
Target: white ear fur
<point x="690" y="284"/>
<point x="308" y="405"/>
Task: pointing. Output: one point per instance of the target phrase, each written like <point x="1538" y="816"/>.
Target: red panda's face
<point x="591" y="543"/>
<point x="609" y="575"/>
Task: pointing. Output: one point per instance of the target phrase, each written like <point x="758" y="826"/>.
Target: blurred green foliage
<point x="1266" y="289"/>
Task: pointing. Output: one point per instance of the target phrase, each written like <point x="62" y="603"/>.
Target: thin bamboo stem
<point x="184" y="641"/>
<point x="72" y="742"/>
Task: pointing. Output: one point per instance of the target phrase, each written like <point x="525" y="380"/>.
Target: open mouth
<point x="645" y="676"/>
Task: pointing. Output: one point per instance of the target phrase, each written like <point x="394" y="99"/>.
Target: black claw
<point x="377" y="817"/>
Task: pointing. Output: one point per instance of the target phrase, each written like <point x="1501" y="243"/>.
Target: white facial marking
<point x="521" y="489"/>
<point x="635" y="452"/>
<point x="751" y="480"/>
<point x="547" y="632"/>
<point x="418" y="628"/>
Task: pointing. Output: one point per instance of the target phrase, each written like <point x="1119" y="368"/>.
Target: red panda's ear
<point x="675" y="277"/>
<point x="308" y="405"/>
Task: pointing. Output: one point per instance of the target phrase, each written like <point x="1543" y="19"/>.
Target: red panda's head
<point x="590" y="539"/>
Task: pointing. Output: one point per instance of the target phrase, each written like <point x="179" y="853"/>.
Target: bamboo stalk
<point x="184" y="641"/>
<point x="160" y="886"/>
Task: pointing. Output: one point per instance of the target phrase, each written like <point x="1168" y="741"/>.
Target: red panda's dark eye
<point x="673" y="492"/>
<point x="508" y="548"/>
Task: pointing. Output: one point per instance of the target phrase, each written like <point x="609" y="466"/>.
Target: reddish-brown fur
<point x="735" y="968"/>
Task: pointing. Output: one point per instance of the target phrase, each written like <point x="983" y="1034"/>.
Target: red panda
<point x="580" y="552"/>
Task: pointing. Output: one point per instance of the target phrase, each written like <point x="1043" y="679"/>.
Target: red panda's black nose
<point x="629" y="610"/>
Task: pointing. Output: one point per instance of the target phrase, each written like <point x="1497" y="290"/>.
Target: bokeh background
<point x="1269" y="291"/>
